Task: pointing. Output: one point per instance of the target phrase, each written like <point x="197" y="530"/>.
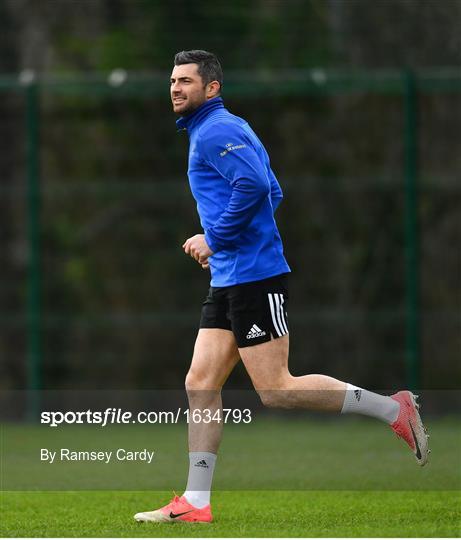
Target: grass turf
<point x="237" y="514"/>
<point x="271" y="454"/>
<point x="348" y="479"/>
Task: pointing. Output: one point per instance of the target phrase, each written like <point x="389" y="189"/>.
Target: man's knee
<point x="274" y="399"/>
<point x="194" y="380"/>
<point x="200" y="380"/>
<point x="278" y="396"/>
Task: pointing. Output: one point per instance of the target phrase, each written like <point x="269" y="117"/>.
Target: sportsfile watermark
<point x="113" y="415"/>
<point x="144" y="443"/>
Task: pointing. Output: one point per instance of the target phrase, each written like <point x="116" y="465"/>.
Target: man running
<point x="244" y="316"/>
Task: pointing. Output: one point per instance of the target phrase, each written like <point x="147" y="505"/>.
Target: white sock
<point x="360" y="401"/>
<point x="201" y="468"/>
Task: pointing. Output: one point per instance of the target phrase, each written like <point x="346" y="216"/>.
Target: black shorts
<point x="255" y="311"/>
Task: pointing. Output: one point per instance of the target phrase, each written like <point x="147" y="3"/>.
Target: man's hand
<point x="198" y="249"/>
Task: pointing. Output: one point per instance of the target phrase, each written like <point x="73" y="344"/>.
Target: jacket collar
<point x="191" y="120"/>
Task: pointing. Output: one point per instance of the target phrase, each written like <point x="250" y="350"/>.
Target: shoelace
<point x="174" y="500"/>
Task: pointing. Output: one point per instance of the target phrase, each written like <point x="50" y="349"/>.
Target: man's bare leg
<point x="267" y="365"/>
<point x="215" y="355"/>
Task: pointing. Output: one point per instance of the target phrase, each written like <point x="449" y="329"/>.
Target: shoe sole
<point x="164" y="519"/>
<point x="421" y="433"/>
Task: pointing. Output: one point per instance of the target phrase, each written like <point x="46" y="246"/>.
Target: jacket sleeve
<point x="230" y="152"/>
<point x="276" y="192"/>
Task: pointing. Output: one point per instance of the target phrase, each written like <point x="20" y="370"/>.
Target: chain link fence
<point x="95" y="205"/>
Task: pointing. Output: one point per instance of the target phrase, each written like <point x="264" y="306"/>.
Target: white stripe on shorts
<point x="277" y="313"/>
<point x="283" y="323"/>
<point x="274" y="318"/>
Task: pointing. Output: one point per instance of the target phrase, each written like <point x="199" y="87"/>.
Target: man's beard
<point x="191" y="108"/>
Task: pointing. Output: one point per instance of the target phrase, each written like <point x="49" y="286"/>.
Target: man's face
<point x="187" y="89"/>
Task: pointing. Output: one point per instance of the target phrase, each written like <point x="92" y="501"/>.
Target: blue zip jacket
<point x="236" y="194"/>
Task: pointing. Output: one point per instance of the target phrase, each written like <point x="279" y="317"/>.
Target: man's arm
<point x="241" y="167"/>
<point x="276" y="192"/>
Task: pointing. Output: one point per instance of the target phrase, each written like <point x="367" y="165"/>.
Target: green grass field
<point x="237" y="514"/>
<point x="279" y="477"/>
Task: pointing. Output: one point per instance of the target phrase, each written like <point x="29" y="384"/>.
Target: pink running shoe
<point x="409" y="426"/>
<point x="177" y="510"/>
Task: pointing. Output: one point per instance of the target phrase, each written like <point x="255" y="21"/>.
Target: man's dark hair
<point x="208" y="64"/>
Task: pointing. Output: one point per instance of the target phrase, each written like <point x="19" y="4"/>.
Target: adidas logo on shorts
<point x="255" y="332"/>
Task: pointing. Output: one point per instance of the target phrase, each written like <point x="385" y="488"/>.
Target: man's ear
<point x="213" y="89"/>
